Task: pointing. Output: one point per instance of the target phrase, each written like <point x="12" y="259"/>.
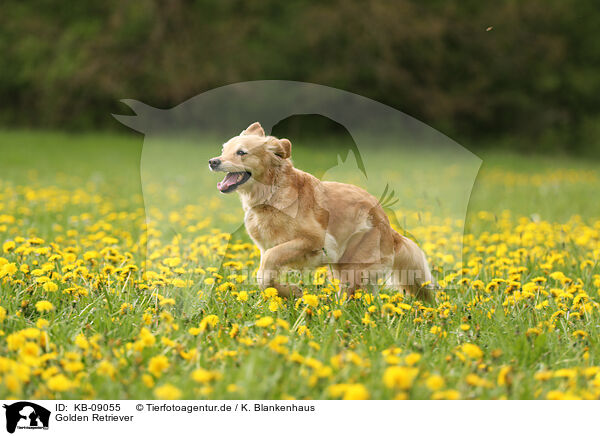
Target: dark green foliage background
<point x="530" y="82"/>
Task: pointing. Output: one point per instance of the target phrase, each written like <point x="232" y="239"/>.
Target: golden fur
<point x="299" y="222"/>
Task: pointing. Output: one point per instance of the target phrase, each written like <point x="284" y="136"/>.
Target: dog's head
<point x="249" y="158"/>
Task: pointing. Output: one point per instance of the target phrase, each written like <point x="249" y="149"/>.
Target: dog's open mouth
<point x="232" y="181"/>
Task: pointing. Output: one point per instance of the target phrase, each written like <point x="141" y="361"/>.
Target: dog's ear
<point x="287" y="147"/>
<point x="254" y="129"/>
<point x="281" y="148"/>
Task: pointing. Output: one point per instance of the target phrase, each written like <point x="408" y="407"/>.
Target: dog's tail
<point x="412" y="269"/>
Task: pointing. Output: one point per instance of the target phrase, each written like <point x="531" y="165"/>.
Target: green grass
<point x="538" y="214"/>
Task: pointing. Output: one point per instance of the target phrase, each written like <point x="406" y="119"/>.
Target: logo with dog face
<point x="26" y="415"/>
<point x="419" y="178"/>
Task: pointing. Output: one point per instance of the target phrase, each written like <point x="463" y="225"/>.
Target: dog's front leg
<point x="275" y="258"/>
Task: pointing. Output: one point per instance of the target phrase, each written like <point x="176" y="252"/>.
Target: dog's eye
<point x="241" y="152"/>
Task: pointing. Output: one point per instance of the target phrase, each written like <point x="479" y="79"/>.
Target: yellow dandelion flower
<point x="475" y="380"/>
<point x="50" y="287"/>
<point x="435" y="382"/>
<point x="283" y="324"/>
<point x="412" y="359"/>
<point x="167" y="392"/>
<point x="209" y="321"/>
<point x="148" y="380"/>
<point x="504" y="376"/>
<point x="366" y="320"/>
<point x="42" y="323"/>
<point x="399" y="377"/>
<point x="44" y="306"/>
<point x="304" y="331"/>
<point x="157" y="365"/>
<point x="8" y="246"/>
<point x="356" y="392"/>
<point x="146" y="337"/>
<point x="543" y="375"/>
<point x="310" y="300"/>
<point x="106" y="368"/>
<point x="472" y="350"/>
<point x="274" y="305"/>
<point x="265" y="321"/>
<point x="167" y="302"/>
<point x="12" y="383"/>
<point x="435" y="330"/>
<point x="179" y="283"/>
<point x="450" y="394"/>
<point x="204" y="376"/>
<point x="8" y="269"/>
<point x="270" y="293"/>
<point x="82" y="342"/>
<point x="59" y="383"/>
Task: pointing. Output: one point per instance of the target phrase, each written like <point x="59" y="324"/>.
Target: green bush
<point x="474" y="70"/>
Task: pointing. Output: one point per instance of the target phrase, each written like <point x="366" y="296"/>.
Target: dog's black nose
<point x="213" y="163"/>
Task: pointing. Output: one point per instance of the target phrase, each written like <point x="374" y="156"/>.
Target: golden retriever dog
<point x="299" y="222"/>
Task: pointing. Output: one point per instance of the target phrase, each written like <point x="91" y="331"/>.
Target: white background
<point x="343" y="417"/>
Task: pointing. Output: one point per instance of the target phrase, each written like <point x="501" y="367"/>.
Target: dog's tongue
<point x="229" y="180"/>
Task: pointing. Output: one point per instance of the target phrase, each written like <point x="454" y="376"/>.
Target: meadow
<point x="111" y="287"/>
